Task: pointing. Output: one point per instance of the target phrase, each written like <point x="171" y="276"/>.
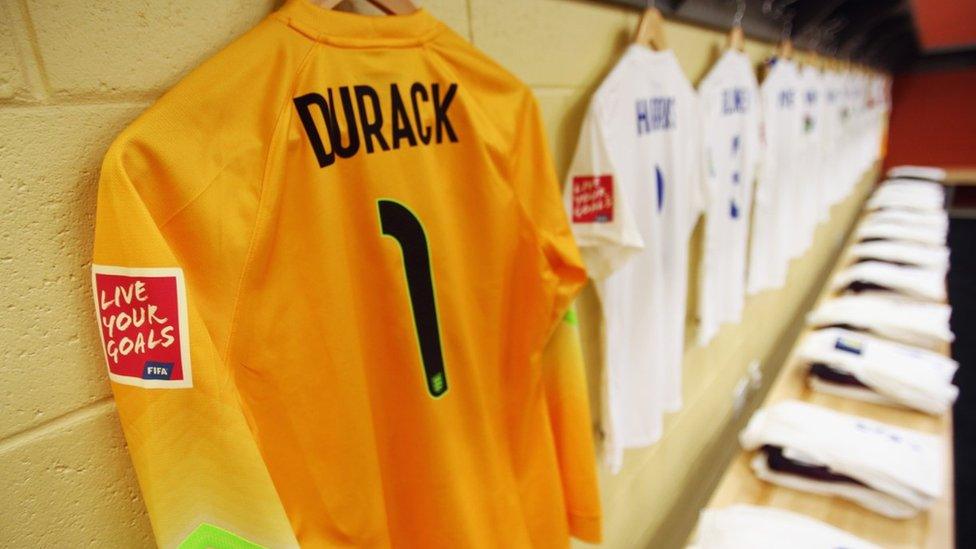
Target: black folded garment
<point x="859" y="286"/>
<point x="782" y="464"/>
<point x="844" y="326"/>
<point x="831" y="375"/>
<point x="888" y="261"/>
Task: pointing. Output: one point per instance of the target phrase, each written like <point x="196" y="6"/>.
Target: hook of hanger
<point x="740" y="11"/>
<point x="788" y="26"/>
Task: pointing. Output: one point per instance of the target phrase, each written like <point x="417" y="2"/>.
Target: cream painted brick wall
<point x="13" y="80"/>
<point x="73" y="73"/>
<point x="107" y="47"/>
<point x="71" y="484"/>
<point x="551" y="43"/>
<point x="48" y="177"/>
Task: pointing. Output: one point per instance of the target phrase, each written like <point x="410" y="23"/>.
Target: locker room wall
<point x="73" y="73"/>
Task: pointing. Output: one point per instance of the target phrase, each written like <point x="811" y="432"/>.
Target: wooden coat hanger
<point x="650" y="31"/>
<point x="389" y="7"/>
<point x="737" y="38"/>
<point x="785" y="49"/>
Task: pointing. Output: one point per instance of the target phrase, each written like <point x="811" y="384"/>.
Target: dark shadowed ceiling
<point x="890" y="34"/>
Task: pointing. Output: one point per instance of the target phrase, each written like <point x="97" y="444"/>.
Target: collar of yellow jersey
<point x="354" y="30"/>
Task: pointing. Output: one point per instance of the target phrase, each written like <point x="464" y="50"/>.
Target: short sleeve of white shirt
<point x="599" y="214"/>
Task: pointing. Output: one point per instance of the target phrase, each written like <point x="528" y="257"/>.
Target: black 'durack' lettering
<point x="362" y="121"/>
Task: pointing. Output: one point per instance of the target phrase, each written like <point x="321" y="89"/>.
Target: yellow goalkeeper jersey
<point x="330" y="269"/>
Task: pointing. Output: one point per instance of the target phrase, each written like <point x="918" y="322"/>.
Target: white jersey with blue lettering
<point x="775" y="204"/>
<point x="729" y="97"/>
<point x="634" y="193"/>
<point x="809" y="168"/>
<point x="836" y="180"/>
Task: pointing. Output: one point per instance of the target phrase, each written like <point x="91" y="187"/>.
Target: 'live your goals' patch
<point x="142" y="318"/>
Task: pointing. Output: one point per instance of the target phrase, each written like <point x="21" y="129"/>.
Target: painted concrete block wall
<point x="73" y="73"/>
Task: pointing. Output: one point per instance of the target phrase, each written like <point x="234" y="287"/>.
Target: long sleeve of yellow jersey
<point x="177" y="204"/>
<point x="564" y="378"/>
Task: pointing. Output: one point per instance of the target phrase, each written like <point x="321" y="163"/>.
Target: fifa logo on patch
<point x="157" y="370"/>
<point x="142" y="320"/>
<point x="593" y="199"/>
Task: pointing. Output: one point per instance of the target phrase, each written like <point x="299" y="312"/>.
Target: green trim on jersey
<point x="208" y="536"/>
<point x="571" y="318"/>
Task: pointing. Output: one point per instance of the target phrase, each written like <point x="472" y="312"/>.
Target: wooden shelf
<point x="961" y="177"/>
<point x="739" y="485"/>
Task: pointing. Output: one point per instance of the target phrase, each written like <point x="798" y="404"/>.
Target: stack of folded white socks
<point x="893" y="471"/>
<point x="753" y="527"/>
<point x="859" y="366"/>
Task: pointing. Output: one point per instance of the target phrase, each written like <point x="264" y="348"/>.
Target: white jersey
<point x="892" y="471"/>
<point x="776" y="199"/>
<point x="836" y="181"/>
<point x="729" y="98"/>
<point x="931" y="173"/>
<point x="908" y="253"/>
<point x="850" y="128"/>
<point x="896" y="374"/>
<point x="753" y="527"/>
<point x="808" y="170"/>
<point x="872" y="276"/>
<point x="634" y="193"/>
<point x="905" y="321"/>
